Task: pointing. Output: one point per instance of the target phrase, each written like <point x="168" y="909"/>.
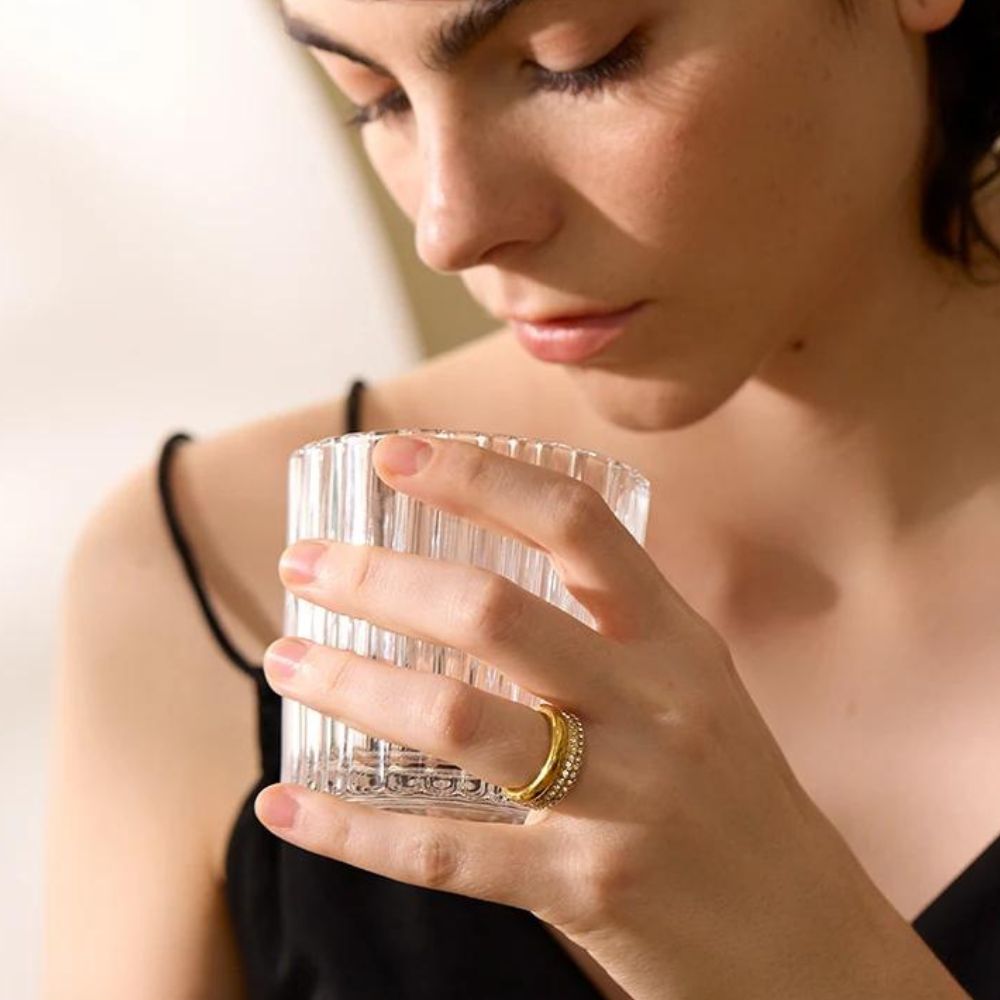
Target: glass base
<point x="486" y="812"/>
<point x="412" y="783"/>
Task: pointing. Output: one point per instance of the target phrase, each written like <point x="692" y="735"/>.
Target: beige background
<point x="188" y="241"/>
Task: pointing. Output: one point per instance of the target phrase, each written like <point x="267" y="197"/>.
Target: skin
<point x="812" y="396"/>
<point x="771" y="142"/>
<point x="828" y="340"/>
<point x="645" y="883"/>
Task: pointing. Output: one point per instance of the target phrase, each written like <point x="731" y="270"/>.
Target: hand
<point x="686" y="859"/>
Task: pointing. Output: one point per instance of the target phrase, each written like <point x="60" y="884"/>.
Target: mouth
<point x="571" y="339"/>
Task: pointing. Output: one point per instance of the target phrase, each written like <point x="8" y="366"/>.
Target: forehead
<point x="457" y="35"/>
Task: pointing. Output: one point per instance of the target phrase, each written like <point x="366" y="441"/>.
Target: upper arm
<point x="132" y="908"/>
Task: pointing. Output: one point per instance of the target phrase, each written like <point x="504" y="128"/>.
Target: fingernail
<point x="298" y="562"/>
<point x="276" y="807"/>
<point x="403" y="455"/>
<point x="282" y="658"/>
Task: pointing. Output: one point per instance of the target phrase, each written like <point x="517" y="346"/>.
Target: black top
<point x="311" y="928"/>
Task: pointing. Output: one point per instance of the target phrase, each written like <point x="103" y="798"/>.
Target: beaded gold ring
<point x="562" y="765"/>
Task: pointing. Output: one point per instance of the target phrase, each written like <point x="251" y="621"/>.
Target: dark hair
<point x="965" y="123"/>
<point x="965" y="93"/>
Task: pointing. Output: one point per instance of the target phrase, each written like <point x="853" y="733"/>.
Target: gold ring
<point x="562" y="765"/>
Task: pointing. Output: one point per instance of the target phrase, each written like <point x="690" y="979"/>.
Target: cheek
<point x="711" y="157"/>
<point x="746" y="177"/>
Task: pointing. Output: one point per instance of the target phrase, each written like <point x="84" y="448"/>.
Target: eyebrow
<point x="451" y="41"/>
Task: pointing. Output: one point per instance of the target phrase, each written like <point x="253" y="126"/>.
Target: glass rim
<point x="615" y="464"/>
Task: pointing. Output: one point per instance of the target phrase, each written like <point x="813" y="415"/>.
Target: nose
<point x="480" y="192"/>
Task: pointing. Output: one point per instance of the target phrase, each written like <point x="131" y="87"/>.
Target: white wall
<point x="184" y="244"/>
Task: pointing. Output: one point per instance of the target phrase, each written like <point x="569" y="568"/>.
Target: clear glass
<point x="334" y="492"/>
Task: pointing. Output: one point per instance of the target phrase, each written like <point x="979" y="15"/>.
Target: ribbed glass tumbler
<point x="335" y="493"/>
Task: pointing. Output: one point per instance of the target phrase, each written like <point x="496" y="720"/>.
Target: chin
<point x="646" y="403"/>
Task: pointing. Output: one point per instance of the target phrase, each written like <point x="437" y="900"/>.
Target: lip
<point x="571" y="339"/>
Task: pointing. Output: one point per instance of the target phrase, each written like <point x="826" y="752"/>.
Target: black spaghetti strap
<point x="269" y="704"/>
<point x="254" y="670"/>
<point x="354" y="406"/>
<point x="187" y="558"/>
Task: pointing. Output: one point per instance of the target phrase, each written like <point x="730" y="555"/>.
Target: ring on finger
<point x="561" y="768"/>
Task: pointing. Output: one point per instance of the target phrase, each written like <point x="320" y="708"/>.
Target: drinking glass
<point x="335" y="493"/>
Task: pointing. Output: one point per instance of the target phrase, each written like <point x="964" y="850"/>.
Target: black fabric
<point x="310" y="928"/>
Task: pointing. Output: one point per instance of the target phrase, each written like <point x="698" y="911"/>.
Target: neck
<point x="871" y="434"/>
<point x="883" y="415"/>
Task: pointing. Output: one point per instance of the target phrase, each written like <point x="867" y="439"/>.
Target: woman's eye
<point x="394" y="103"/>
<point x="624" y="60"/>
<point x="619" y="64"/>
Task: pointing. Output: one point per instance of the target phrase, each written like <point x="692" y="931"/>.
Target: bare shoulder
<point x="229" y="496"/>
<point x="230" y="489"/>
<point x="155" y="742"/>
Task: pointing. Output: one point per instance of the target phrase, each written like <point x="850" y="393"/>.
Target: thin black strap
<point x="187" y="557"/>
<point x="269" y="705"/>
<point x="354" y="406"/>
<point x="184" y="549"/>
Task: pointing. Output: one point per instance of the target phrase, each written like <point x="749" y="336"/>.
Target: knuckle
<point x="364" y="568"/>
<point x="611" y="885"/>
<point x="456" y="716"/>
<point x="564" y="905"/>
<point x="577" y="509"/>
<point x="695" y="734"/>
<point x="494" y="610"/>
<point x="336" y="673"/>
<point x="434" y="859"/>
<point x="476" y="468"/>
<point x="337" y="837"/>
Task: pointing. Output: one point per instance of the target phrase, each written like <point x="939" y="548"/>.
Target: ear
<point x="926" y="16"/>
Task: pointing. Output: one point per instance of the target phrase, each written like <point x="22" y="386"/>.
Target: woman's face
<point x="748" y="164"/>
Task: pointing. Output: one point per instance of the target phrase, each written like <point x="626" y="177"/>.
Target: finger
<point x="600" y="562"/>
<point x="514" y="865"/>
<point x="489" y="736"/>
<point x="533" y="643"/>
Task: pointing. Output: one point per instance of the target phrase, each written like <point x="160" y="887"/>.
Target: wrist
<point x="865" y="952"/>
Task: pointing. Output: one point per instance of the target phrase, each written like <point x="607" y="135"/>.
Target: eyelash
<point x="619" y="64"/>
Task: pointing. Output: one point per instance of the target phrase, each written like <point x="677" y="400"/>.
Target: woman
<point x="783" y="206"/>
